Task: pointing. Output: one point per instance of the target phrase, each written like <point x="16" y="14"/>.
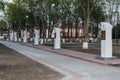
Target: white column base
<point x="63" y="40"/>
<point x="106" y="49"/>
<point x="41" y="41"/>
<point x="31" y="39"/>
<point x="24" y="40"/>
<point x="36" y="41"/>
<point x="7" y="39"/>
<point x="106" y="58"/>
<point x="15" y="38"/>
<point x="49" y="40"/>
<point x="45" y="40"/>
<point x="85" y="45"/>
<point x="57" y="43"/>
<point x="19" y="40"/>
<point x="11" y="38"/>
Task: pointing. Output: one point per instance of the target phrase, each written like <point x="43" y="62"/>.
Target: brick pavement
<point x="76" y="54"/>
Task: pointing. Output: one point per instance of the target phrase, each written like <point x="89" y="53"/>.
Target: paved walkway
<point x="73" y="68"/>
<point x="75" y="54"/>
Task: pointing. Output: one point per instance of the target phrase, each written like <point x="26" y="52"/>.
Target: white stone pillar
<point x="57" y="42"/>
<point x="15" y="36"/>
<point x="11" y="35"/>
<point x="63" y="40"/>
<point x="85" y="45"/>
<point x="19" y="36"/>
<point x="19" y="39"/>
<point x="41" y="41"/>
<point x="25" y="36"/>
<point x="106" y="40"/>
<point x="22" y="35"/>
<point x="36" y="39"/>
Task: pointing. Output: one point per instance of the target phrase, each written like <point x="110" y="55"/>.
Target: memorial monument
<point x="36" y="39"/>
<point x="106" y="40"/>
<point x="15" y="36"/>
<point x="25" y="36"/>
<point x="57" y="39"/>
<point x="11" y="35"/>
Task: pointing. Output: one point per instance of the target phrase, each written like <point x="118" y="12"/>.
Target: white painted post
<point x="106" y="42"/>
<point x="22" y="35"/>
<point x="85" y="45"/>
<point x="41" y="41"/>
<point x="63" y="40"/>
<point x="57" y="41"/>
<point x="25" y="36"/>
<point x="11" y="35"/>
<point x="19" y="39"/>
<point x="15" y="36"/>
<point x="36" y="39"/>
<point x="19" y="36"/>
<point x="46" y="35"/>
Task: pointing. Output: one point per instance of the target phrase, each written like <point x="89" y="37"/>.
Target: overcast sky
<point x="9" y="0"/>
<point x="1" y="12"/>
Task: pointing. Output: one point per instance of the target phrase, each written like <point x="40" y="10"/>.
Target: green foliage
<point x="16" y="14"/>
<point x="3" y="25"/>
<point x="43" y="12"/>
<point x="98" y="14"/>
<point x="2" y="5"/>
<point x="116" y="32"/>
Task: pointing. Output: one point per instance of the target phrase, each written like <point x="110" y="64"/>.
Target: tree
<point x="97" y="16"/>
<point x="2" y="5"/>
<point x="3" y="25"/>
<point x="87" y="6"/>
<point x="112" y="9"/>
<point x="34" y="7"/>
<point x="16" y="15"/>
<point x="113" y="13"/>
<point x="44" y="13"/>
<point x="116" y="33"/>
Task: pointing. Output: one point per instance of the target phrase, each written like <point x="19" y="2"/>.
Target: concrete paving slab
<point x="75" y="54"/>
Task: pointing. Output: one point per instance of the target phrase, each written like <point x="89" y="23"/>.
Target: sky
<point x="1" y="13"/>
<point x="8" y="0"/>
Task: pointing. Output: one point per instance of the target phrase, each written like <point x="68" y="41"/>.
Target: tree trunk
<point x="86" y="29"/>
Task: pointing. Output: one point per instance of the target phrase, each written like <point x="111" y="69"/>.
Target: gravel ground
<point x="14" y="66"/>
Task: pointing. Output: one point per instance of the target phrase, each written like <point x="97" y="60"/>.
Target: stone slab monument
<point x="36" y="39"/>
<point x="25" y="36"/>
<point x="106" y="40"/>
<point x="22" y="35"/>
<point x="15" y="36"/>
<point x="57" y="39"/>
<point x="11" y="35"/>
